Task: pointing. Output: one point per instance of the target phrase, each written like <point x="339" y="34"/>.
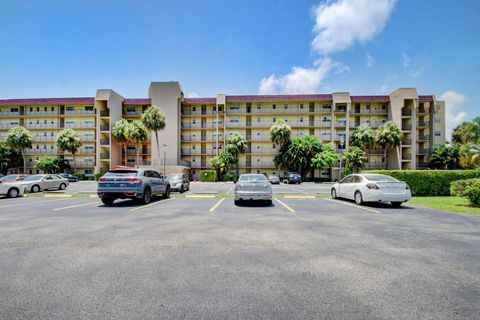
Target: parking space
<point x="300" y="257"/>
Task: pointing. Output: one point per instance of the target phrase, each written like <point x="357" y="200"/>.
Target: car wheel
<point x="35" y="189"/>
<point x="147" y="196"/>
<point x="358" y="198"/>
<point x="396" y="204"/>
<point x="13" y="193"/>
<point x="62" y="186"/>
<point x="181" y="189"/>
<point x="167" y="193"/>
<point x="334" y="193"/>
<point x="236" y="202"/>
<point x="107" y="201"/>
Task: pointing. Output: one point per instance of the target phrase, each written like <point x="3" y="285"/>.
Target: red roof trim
<point x="289" y="97"/>
<point x="425" y="98"/>
<point x="200" y="100"/>
<point x="5" y="102"/>
<point x="137" y="101"/>
<point x="370" y="98"/>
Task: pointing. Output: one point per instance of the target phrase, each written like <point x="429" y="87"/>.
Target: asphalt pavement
<point x="202" y="257"/>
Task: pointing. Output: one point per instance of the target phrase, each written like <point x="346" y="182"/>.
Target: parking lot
<point x="201" y="257"/>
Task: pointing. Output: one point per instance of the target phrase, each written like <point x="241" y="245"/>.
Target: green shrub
<point x="81" y="176"/>
<point x="473" y="194"/>
<point x="98" y="176"/>
<point x="430" y="182"/>
<point x="208" y="176"/>
<point x="229" y="177"/>
<point x="458" y="188"/>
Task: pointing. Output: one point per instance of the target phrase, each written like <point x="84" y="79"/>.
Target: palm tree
<point x="138" y="134"/>
<point x="20" y="138"/>
<point x="388" y="135"/>
<point x="154" y="120"/>
<point x="362" y="137"/>
<point x="118" y="135"/>
<point x="236" y="145"/>
<point x="280" y="133"/>
<point x="68" y="140"/>
<point x="465" y="133"/>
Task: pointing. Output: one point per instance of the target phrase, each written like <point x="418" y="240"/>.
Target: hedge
<point x="430" y="182"/>
<point x="473" y="193"/>
<point x="457" y="188"/>
<point x="208" y="175"/>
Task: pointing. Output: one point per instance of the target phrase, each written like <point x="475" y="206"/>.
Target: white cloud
<point x="338" y="24"/>
<point x="405" y="60"/>
<point x="454" y="103"/>
<point x="193" y="95"/>
<point x="383" y="89"/>
<point x="369" y="61"/>
<point x="300" y="79"/>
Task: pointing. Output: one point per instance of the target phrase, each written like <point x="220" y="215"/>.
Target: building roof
<point x="275" y="97"/>
<point x="425" y="98"/>
<point x="4" y="102"/>
<point x="200" y="100"/>
<point x="370" y="98"/>
<point x="137" y="101"/>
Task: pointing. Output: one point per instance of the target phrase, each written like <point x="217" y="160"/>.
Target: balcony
<point x="368" y="111"/>
<point x="423" y="137"/>
<point x="82" y="164"/>
<point x="339" y="123"/>
<point x="44" y="126"/>
<point x="77" y="112"/>
<point x="42" y="151"/>
<point x="406" y="113"/>
<point x="41" y="113"/>
<point x="104" y="142"/>
<point x="44" y="139"/>
<point x="104" y="127"/>
<point x="79" y="125"/>
<point x="424" y="151"/>
<point x="374" y="165"/>
<point x="87" y="138"/>
<point x="422" y="111"/>
<point x="257" y="164"/>
<point x="406" y="156"/>
<point x="210" y="112"/>
<point x="423" y="123"/>
<point x="135" y="113"/>
<point x="375" y="151"/>
<point x="104" y="156"/>
<point x="105" y="113"/>
<point x="340" y="109"/>
<point x="10" y="114"/>
<point x="406" y="142"/>
<point x="406" y="127"/>
<point x="422" y="165"/>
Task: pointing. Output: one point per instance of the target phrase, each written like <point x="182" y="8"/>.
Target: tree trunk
<point x="137" y="150"/>
<point x="126" y="155"/>
<point x="158" y="147"/>
<point x="74" y="163"/>
<point x="385" y="157"/>
<point x="24" y="162"/>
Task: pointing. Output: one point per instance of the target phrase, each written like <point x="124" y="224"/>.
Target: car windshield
<point x="123" y="173"/>
<point x="174" y="177"/>
<point x="34" y="177"/>
<point x="252" y="177"/>
<point x="11" y="177"/>
<point x="380" y="177"/>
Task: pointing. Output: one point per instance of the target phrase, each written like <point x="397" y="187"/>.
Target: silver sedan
<point x="40" y="182"/>
<point x="253" y="187"/>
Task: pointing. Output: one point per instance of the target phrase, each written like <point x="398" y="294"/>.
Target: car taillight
<point x="101" y="179"/>
<point x="134" y="179"/>
<point x="372" y="186"/>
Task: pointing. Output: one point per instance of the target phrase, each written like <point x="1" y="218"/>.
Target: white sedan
<point x="11" y="189"/>
<point x="372" y="188"/>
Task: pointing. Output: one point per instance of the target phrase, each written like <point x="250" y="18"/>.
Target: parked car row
<point x="14" y="185"/>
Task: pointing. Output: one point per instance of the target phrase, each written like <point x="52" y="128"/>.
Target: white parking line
<point x="298" y="190"/>
<point x="283" y="204"/>
<point x="151" y="204"/>
<point x="29" y="203"/>
<point x="352" y="205"/>
<point x="216" y="205"/>
<point x="78" y="205"/>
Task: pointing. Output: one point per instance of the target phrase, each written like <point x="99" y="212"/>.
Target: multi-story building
<point x="198" y="128"/>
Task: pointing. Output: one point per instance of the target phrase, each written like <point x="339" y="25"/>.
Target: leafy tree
<point x="137" y="134"/>
<point x="469" y="156"/>
<point x="118" y="135"/>
<point x="354" y="158"/>
<point x="280" y="134"/>
<point x="68" y="140"/>
<point x="236" y="145"/>
<point x="154" y="120"/>
<point x="19" y="138"/>
<point x="52" y="165"/>
<point x="445" y="157"/>
<point x="221" y="164"/>
<point x="297" y="155"/>
<point x="388" y="135"/>
<point x="326" y="158"/>
<point x="363" y="137"/>
<point x="8" y="157"/>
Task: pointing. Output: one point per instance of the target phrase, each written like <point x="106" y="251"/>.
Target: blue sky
<point x="71" y="48"/>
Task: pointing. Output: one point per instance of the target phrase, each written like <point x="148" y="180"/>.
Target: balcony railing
<point x="44" y="126"/>
<point x="423" y="151"/>
<point x="10" y="114"/>
<point x="406" y="127"/>
<point x="87" y="138"/>
<point x="422" y="165"/>
<point x="422" y="110"/>
<point x="42" y="151"/>
<point x="132" y="113"/>
<point x="104" y="127"/>
<point x="104" y="156"/>
<point x="374" y="165"/>
<point x="104" y="142"/>
<point x="79" y="125"/>
<point x="406" y="113"/>
<point x="406" y="156"/>
<point x="340" y="110"/>
<point x="82" y="164"/>
<point x="369" y="111"/>
<point x="407" y="142"/>
<point x="375" y="151"/>
<point x="423" y="123"/>
<point x="104" y="113"/>
<point x="44" y="139"/>
<point x="423" y="137"/>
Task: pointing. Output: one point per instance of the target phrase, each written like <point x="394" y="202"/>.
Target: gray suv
<point x="179" y="182"/>
<point x="138" y="184"/>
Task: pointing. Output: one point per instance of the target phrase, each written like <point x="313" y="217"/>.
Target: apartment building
<point x="198" y="128"/>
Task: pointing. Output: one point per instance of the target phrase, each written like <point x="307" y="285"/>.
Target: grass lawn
<point x="454" y="204"/>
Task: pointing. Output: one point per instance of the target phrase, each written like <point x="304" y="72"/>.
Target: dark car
<point x="292" y="177"/>
<point x="69" y="177"/>
<point x="138" y="184"/>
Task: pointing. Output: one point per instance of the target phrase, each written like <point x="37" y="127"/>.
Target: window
<point x="301" y="105"/>
<point x="274" y="146"/>
<point x="274" y="106"/>
<point x="45" y="109"/>
<point x="326" y="119"/>
<point x="367" y="107"/>
<point x="258" y="120"/>
<point x="285" y="106"/>
<point x="70" y="108"/>
<point x="52" y="108"/>
<point x="194" y="121"/>
<point x="438" y="120"/>
<point x="301" y="119"/>
<point x="88" y="171"/>
<point x="274" y="119"/>
<point x="129" y="109"/>
<point x="258" y="147"/>
<point x="194" y="109"/>
<point x="89" y="121"/>
<point x="38" y="109"/>
<point x="259" y="105"/>
<point x="14" y="110"/>
<point x="234" y="107"/>
<point x="69" y="121"/>
<point x="234" y="120"/>
<point x="438" y="134"/>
